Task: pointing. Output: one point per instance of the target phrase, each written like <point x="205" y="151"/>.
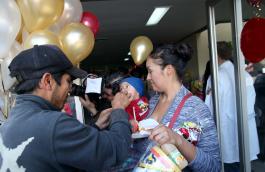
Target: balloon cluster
<point x="62" y="23"/>
<point x="59" y="22"/>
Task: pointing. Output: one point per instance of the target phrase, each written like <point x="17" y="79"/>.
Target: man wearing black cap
<point x="39" y="137"/>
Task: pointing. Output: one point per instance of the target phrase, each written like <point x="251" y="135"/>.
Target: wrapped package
<point x="155" y="160"/>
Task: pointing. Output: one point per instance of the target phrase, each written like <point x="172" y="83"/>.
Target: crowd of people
<point x="39" y="136"/>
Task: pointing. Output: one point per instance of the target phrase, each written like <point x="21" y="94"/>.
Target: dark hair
<point x="138" y="71"/>
<point x="29" y="86"/>
<point x="224" y="50"/>
<point x="177" y="56"/>
<point x="113" y="81"/>
<point x="123" y="70"/>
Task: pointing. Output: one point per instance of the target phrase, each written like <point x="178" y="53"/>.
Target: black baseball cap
<point x="32" y="63"/>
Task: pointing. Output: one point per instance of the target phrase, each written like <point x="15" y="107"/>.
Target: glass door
<point x="234" y="115"/>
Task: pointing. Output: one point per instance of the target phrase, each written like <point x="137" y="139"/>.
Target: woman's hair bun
<point x="184" y="51"/>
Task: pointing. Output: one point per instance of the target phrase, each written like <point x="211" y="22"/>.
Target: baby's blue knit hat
<point x="137" y="83"/>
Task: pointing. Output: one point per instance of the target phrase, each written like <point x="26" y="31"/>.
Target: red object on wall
<point x="91" y="21"/>
<point x="253" y="40"/>
<point x="254" y="3"/>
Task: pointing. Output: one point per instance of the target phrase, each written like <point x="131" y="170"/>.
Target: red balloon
<point x="254" y="3"/>
<point x="91" y="21"/>
<point x="253" y="40"/>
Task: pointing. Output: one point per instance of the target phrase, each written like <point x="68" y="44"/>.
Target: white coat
<point x="228" y="113"/>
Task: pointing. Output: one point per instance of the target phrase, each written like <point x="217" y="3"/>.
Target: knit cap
<point x="137" y="83"/>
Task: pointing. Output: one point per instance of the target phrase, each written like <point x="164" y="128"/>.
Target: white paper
<point x="93" y="85"/>
<point x="148" y="124"/>
<point x="139" y="135"/>
<point x="79" y="110"/>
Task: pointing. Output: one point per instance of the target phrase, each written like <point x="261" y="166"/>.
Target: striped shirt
<point x="207" y="149"/>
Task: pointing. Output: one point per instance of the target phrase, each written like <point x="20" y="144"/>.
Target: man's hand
<point x="250" y="67"/>
<point x="104" y="118"/>
<point x="120" y="101"/>
<point x="88" y="105"/>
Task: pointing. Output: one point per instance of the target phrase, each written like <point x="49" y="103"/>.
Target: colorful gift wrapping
<point x="190" y="131"/>
<point x="156" y="160"/>
<point x="174" y="154"/>
<point x="167" y="157"/>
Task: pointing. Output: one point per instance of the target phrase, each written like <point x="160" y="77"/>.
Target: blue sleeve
<point x="207" y="150"/>
<point x="84" y="147"/>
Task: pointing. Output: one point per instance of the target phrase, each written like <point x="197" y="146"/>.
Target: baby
<point x="138" y="107"/>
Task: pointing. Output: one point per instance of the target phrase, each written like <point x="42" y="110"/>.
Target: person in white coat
<point x="228" y="109"/>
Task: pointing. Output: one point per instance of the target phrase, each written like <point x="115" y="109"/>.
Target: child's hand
<point x="134" y="125"/>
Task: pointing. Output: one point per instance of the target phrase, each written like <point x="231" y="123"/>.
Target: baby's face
<point x="129" y="90"/>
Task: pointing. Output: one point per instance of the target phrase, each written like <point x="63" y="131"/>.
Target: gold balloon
<point x="77" y="41"/>
<point x="40" y="38"/>
<point x="40" y="14"/>
<point x="73" y="11"/>
<point x="140" y="49"/>
<point x="19" y="35"/>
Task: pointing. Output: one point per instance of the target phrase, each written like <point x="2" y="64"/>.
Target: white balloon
<point x="10" y="23"/>
<point x="8" y="82"/>
<point x="72" y="13"/>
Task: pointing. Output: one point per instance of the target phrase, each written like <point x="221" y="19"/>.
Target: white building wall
<point x="201" y="55"/>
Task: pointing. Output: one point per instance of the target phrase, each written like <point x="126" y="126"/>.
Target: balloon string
<point x="79" y="80"/>
<point x="3" y="113"/>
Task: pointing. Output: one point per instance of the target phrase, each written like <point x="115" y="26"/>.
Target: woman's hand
<point x="104" y="118"/>
<point x="162" y="134"/>
<point x="88" y="105"/>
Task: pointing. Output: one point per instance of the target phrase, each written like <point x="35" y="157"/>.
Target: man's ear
<point x="46" y="81"/>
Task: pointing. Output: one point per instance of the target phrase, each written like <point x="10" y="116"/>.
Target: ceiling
<point x="122" y="20"/>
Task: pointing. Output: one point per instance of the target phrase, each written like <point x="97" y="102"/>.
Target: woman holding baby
<point x="185" y="121"/>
